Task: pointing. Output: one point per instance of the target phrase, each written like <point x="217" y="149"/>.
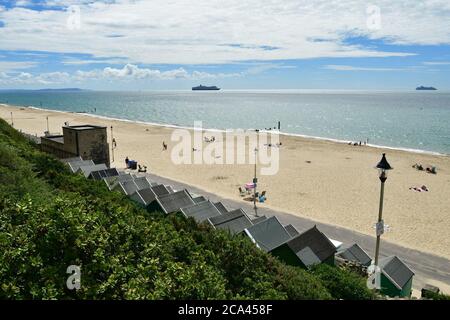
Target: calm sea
<point x="408" y="120"/>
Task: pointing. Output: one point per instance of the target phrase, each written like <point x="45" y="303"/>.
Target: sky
<point x="234" y="44"/>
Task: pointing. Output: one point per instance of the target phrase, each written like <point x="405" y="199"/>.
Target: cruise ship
<point x="201" y="87"/>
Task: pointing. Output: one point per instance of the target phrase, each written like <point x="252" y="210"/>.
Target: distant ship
<point x="200" y="87"/>
<point x="425" y="88"/>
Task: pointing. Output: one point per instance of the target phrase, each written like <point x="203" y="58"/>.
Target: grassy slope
<point x="50" y="219"/>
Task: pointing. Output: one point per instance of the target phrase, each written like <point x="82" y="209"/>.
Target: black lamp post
<point x="383" y="167"/>
<point x="255" y="179"/>
<point x="112" y="143"/>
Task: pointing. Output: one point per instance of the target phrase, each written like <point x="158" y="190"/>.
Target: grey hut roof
<point x="220" y="206"/>
<point x="100" y="174"/>
<point x="259" y="219"/>
<point x="74" y="159"/>
<point x="170" y="189"/>
<point x="268" y="234"/>
<point x="111" y="182"/>
<point x="201" y="211"/>
<point x="86" y="170"/>
<point x="354" y="252"/>
<point x="235" y="221"/>
<point x="291" y="230"/>
<point x="75" y="165"/>
<point x="159" y="189"/>
<point x="142" y="183"/>
<point x="312" y="247"/>
<point x="175" y="201"/>
<point x="199" y="199"/>
<point x="144" y="196"/>
<point x="148" y="195"/>
<point x="126" y="187"/>
<point x="396" y="271"/>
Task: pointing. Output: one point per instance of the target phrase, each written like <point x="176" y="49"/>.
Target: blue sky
<point x="235" y="44"/>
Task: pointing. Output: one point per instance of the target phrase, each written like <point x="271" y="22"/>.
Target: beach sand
<point x="325" y="181"/>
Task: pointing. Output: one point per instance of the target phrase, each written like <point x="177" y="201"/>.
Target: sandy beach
<point x="326" y="181"/>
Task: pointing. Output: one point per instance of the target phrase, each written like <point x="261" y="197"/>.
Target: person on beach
<point x="164" y="146"/>
<point x="127" y="161"/>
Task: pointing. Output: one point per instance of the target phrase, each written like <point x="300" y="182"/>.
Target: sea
<point x="416" y="121"/>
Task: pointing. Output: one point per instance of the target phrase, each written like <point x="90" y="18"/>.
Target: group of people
<point x="360" y="143"/>
<point x="429" y="169"/>
<point x="212" y="139"/>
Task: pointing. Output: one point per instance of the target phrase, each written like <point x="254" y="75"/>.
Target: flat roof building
<point x="87" y="141"/>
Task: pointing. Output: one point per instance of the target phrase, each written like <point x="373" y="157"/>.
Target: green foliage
<point x="50" y="219"/>
<point x="342" y="284"/>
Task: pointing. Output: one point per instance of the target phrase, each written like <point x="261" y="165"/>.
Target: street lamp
<point x="383" y="167"/>
<point x="255" y="179"/>
<point x="112" y="144"/>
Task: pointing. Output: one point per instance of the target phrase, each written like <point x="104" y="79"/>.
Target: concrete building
<point x="86" y="141"/>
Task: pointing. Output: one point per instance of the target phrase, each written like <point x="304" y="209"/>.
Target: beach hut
<point x="199" y="199"/>
<point x="111" y="182"/>
<point x="171" y="202"/>
<point x="87" y="169"/>
<point x="75" y="165"/>
<point x="291" y="230"/>
<point x="259" y="219"/>
<point x="396" y="277"/>
<point x="126" y="187"/>
<point x="200" y="211"/>
<point x="307" y="249"/>
<point x="73" y="159"/>
<point x="268" y="234"/>
<point x="170" y="189"/>
<point x="354" y="253"/>
<point x="220" y="206"/>
<point x="142" y="183"/>
<point x="100" y="174"/>
<point x="235" y="221"/>
<point x="148" y="195"/>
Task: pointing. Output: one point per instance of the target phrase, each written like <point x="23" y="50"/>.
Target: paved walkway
<point x="425" y="265"/>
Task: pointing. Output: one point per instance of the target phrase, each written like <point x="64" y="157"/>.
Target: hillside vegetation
<point x="50" y="219"/>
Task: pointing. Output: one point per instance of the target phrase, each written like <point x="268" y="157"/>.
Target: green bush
<point x="342" y="284"/>
<point x="51" y="218"/>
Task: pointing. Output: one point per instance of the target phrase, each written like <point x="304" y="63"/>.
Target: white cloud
<point x="437" y="63"/>
<point x="128" y="72"/>
<point x="352" y="68"/>
<point x="184" y="32"/>
<point x="7" y="66"/>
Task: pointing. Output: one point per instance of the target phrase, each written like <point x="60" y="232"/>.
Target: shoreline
<point x="175" y="126"/>
<point x="334" y="183"/>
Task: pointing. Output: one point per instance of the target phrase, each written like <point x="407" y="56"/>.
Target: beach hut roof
<point x="159" y="189"/>
<point x="67" y="160"/>
<point x="201" y="211"/>
<point x="312" y="247"/>
<point x="142" y="183"/>
<point x="396" y="271"/>
<point x="199" y="199"/>
<point x="127" y="187"/>
<point x="100" y="174"/>
<point x="268" y="234"/>
<point x="291" y="230"/>
<point x="144" y="196"/>
<point x="235" y="221"/>
<point x="111" y="182"/>
<point x="220" y="206"/>
<point x="259" y="219"/>
<point x="175" y="201"/>
<point x="355" y="253"/>
<point x="170" y="189"/>
<point x="75" y="165"/>
<point x="87" y="169"/>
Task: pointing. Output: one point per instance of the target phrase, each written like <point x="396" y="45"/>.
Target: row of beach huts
<point x="267" y="233"/>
